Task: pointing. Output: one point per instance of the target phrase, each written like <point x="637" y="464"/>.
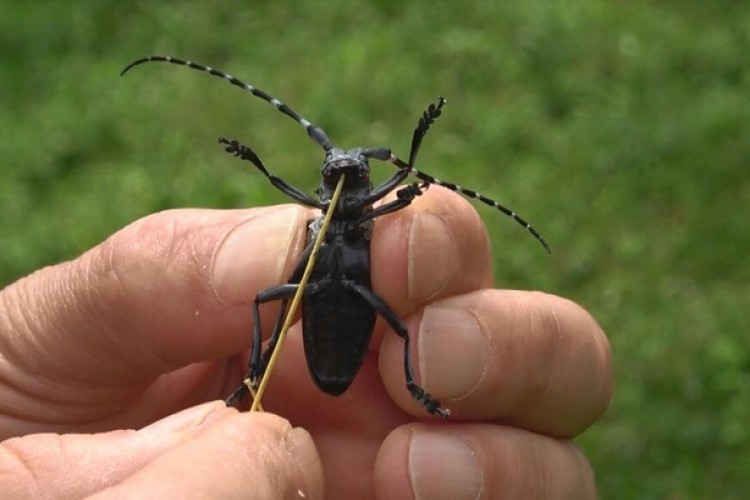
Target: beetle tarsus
<point x="237" y="395"/>
<point x="426" y="400"/>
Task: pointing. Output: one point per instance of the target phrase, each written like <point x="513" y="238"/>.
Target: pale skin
<point x="107" y="362"/>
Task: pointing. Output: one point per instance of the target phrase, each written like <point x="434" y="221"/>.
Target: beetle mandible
<point x="339" y="307"/>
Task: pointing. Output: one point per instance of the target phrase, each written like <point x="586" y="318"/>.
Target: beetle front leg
<point x="419" y="394"/>
<point x="404" y="197"/>
<point x="246" y="153"/>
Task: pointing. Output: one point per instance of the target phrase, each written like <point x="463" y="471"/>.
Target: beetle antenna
<point x="428" y="117"/>
<point x="487" y="201"/>
<point x="316" y="133"/>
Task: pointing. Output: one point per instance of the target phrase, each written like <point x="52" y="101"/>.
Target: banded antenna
<point x="316" y="133"/>
<point x="428" y="117"/>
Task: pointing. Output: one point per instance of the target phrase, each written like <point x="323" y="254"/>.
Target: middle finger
<point x="526" y="359"/>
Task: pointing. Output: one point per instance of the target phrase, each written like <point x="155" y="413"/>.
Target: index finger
<point x="436" y="247"/>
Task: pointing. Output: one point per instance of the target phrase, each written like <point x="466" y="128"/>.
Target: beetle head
<point x="353" y="163"/>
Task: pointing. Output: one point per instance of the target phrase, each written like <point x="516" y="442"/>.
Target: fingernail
<point x="253" y="254"/>
<point x="443" y="466"/>
<point x="190" y="419"/>
<point x="431" y="256"/>
<point x="300" y="446"/>
<point x="452" y="350"/>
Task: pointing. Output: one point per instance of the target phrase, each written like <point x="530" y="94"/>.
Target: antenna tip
<point x="135" y="63"/>
<point x="546" y="246"/>
<point x="127" y="68"/>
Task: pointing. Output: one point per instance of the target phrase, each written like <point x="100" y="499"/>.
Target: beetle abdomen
<point x="342" y="323"/>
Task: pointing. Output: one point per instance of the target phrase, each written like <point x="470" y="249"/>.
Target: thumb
<point x="117" y="337"/>
<point x="205" y="451"/>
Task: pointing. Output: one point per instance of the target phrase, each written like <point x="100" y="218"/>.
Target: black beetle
<point x="339" y="307"/>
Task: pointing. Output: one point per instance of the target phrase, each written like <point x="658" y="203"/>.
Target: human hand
<point x="150" y="321"/>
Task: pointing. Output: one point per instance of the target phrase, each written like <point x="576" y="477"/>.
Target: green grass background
<point x="620" y="129"/>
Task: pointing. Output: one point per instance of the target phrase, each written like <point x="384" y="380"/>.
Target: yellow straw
<point x="297" y="296"/>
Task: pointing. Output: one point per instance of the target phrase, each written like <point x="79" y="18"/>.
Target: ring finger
<point x="479" y="461"/>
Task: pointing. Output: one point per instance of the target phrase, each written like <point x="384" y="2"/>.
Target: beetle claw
<point x="237" y="395"/>
<point x="426" y="400"/>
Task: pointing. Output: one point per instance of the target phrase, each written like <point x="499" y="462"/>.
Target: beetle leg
<point x="382" y="190"/>
<point x="419" y="394"/>
<point x="257" y="365"/>
<point x="405" y="196"/>
<point x="245" y="153"/>
<point x="259" y="362"/>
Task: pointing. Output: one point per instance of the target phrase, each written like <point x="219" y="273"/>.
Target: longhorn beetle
<point x="339" y="307"/>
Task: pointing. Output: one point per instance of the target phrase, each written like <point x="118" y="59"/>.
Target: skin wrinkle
<point x="453" y="262"/>
<point x="13" y="352"/>
<point x="506" y="356"/>
<point x="211" y="377"/>
<point x="21" y="392"/>
<point x="220" y="244"/>
<point x="399" y="226"/>
<point x="290" y="444"/>
<point x="554" y="365"/>
<point x="21" y="331"/>
<point x="101" y="267"/>
<point x="24" y="466"/>
<point x="480" y="464"/>
<point x="99" y="308"/>
<point x="189" y="246"/>
<point x="295" y="248"/>
<point x="83" y="299"/>
<point x="538" y="321"/>
<point x="62" y="418"/>
<point x="549" y="317"/>
<point x="177" y="240"/>
<point x="97" y="301"/>
<point x="528" y="469"/>
<point x="167" y="245"/>
<point x="10" y="323"/>
<point x="53" y="423"/>
<point x="25" y="391"/>
<point x="538" y="469"/>
<point x="554" y="358"/>
<point x="274" y="473"/>
<point x="101" y="297"/>
<point x="56" y="461"/>
<point x="406" y="467"/>
<point x="482" y="324"/>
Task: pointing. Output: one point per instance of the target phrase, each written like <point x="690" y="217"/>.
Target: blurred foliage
<point x="620" y="129"/>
